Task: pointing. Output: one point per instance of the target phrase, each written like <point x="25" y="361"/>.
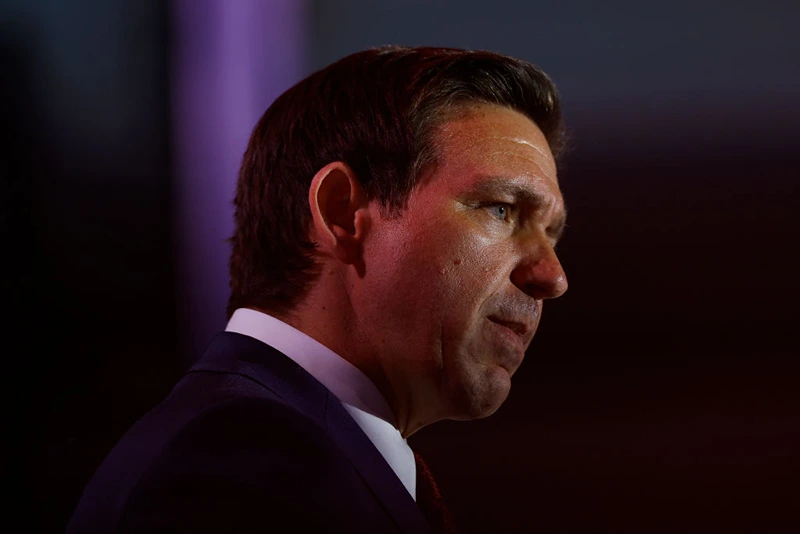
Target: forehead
<point x="488" y="140"/>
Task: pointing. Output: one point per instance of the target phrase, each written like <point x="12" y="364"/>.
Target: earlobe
<point x="339" y="212"/>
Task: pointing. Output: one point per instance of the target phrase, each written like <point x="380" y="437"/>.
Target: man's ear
<point x="340" y="217"/>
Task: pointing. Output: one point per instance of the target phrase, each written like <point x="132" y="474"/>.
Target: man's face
<point x="453" y="287"/>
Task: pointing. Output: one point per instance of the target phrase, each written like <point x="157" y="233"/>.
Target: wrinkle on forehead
<point x="546" y="164"/>
<point x="495" y="140"/>
<point x="519" y="129"/>
<point x="501" y="148"/>
<point x="522" y="141"/>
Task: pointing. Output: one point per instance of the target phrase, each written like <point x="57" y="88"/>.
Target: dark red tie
<point x="430" y="501"/>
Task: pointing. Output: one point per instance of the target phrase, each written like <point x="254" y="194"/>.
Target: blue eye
<point x="500" y="211"/>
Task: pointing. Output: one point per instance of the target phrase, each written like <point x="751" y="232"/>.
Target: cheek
<point x="439" y="275"/>
<point x="472" y="273"/>
<point x="476" y="266"/>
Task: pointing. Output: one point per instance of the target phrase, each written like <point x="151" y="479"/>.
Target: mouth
<point x="518" y="328"/>
<point x="511" y="337"/>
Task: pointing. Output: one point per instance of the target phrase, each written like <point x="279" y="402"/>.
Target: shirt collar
<point x="359" y="396"/>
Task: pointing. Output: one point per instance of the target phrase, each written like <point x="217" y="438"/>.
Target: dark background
<point x="661" y="392"/>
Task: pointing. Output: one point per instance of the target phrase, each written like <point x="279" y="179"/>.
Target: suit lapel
<point x="240" y="354"/>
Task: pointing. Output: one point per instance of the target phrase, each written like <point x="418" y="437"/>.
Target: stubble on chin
<point x="477" y="392"/>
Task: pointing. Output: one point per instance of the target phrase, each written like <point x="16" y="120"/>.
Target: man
<point x="396" y="217"/>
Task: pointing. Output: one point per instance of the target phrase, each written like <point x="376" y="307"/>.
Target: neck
<point x="334" y="323"/>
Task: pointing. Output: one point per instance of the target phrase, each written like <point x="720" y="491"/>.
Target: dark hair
<point x="377" y="111"/>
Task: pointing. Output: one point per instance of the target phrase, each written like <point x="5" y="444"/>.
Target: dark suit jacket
<point x="247" y="441"/>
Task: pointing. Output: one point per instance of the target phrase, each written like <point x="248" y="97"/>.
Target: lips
<point x="513" y="337"/>
<point x="521" y="329"/>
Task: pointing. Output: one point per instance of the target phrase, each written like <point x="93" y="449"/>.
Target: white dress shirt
<point x="359" y="396"/>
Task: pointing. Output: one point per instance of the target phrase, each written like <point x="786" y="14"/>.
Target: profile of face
<point x="452" y="291"/>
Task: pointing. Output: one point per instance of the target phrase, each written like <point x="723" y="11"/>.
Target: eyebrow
<point x="496" y="186"/>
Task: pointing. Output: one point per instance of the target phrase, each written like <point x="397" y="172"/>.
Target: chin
<point x="482" y="395"/>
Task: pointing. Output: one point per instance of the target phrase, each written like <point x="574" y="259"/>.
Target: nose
<point x="539" y="274"/>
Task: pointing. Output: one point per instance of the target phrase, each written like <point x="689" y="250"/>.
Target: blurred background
<point x="662" y="391"/>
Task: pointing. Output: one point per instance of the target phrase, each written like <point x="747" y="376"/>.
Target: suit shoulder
<point x="249" y="421"/>
<point x="209" y="427"/>
<point x="238" y="462"/>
